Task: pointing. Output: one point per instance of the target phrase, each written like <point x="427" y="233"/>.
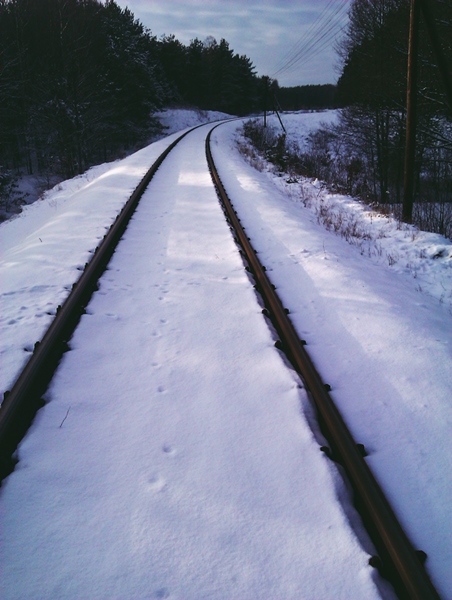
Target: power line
<point x="290" y="54"/>
<point x="326" y="38"/>
<point x="320" y="34"/>
<point x="328" y="29"/>
<point x="314" y="51"/>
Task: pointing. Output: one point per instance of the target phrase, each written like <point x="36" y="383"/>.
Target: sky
<point x="269" y="32"/>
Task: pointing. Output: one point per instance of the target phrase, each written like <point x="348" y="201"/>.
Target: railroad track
<point x="21" y="403"/>
<point x="397" y="559"/>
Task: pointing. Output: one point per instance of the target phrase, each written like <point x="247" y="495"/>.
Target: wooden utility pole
<point x="411" y="105"/>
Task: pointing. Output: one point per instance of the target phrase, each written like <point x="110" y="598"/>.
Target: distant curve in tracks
<point x="401" y="564"/>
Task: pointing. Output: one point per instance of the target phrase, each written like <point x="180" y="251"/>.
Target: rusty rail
<point x="25" y="398"/>
<point x="398" y="561"/>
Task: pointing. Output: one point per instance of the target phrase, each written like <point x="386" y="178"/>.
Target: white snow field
<point x="178" y="455"/>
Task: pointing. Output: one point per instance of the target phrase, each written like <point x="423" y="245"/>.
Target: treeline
<point x="210" y="76"/>
<point x="307" y="97"/>
<point x="80" y="80"/>
<point x="364" y="153"/>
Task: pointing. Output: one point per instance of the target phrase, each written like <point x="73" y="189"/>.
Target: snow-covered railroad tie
<point x="172" y="458"/>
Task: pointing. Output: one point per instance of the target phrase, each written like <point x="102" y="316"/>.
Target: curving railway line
<point x="397" y="560"/>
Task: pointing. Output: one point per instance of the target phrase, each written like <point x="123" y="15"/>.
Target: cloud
<point x="264" y="30"/>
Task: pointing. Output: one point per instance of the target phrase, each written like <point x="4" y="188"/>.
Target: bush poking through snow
<point x="329" y="157"/>
<point x="372" y="228"/>
<point x="11" y="199"/>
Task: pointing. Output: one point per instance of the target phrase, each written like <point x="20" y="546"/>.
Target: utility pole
<point x="266" y="82"/>
<point x="279" y="117"/>
<point x="411" y="105"/>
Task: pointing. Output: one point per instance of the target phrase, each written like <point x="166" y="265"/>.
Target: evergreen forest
<point x="81" y="79"/>
<point x="304" y="97"/>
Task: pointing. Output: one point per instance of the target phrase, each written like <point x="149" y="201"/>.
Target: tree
<point x="81" y="79"/>
<point x="372" y="90"/>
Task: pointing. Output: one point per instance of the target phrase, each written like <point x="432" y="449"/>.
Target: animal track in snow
<point x="156" y="483"/>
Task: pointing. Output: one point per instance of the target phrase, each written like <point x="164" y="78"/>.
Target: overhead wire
<point x="320" y="34"/>
<point x="328" y="29"/>
<point x="303" y="40"/>
<point x="315" y="50"/>
<point x="309" y="38"/>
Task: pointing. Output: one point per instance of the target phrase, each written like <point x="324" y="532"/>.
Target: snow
<point x="176" y="120"/>
<point x="382" y="238"/>
<point x="39" y="262"/>
<point x="299" y="124"/>
<point x="379" y="334"/>
<point x="178" y="455"/>
<point x="36" y="187"/>
<point x="43" y="248"/>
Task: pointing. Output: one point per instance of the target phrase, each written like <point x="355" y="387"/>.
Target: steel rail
<point x="25" y="398"/>
<point x="400" y="563"/>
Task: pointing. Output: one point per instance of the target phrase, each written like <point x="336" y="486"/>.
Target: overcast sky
<point x="271" y="33"/>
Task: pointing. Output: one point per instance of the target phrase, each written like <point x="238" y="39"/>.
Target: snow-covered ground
<point x="380" y="332"/>
<point x="211" y="483"/>
<point x="299" y="125"/>
<point x="176" y="120"/>
<point x="54" y="237"/>
<point x="423" y="256"/>
<point x="34" y="187"/>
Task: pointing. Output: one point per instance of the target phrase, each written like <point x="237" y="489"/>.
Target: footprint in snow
<point x="156" y="483"/>
<point x="168" y="449"/>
